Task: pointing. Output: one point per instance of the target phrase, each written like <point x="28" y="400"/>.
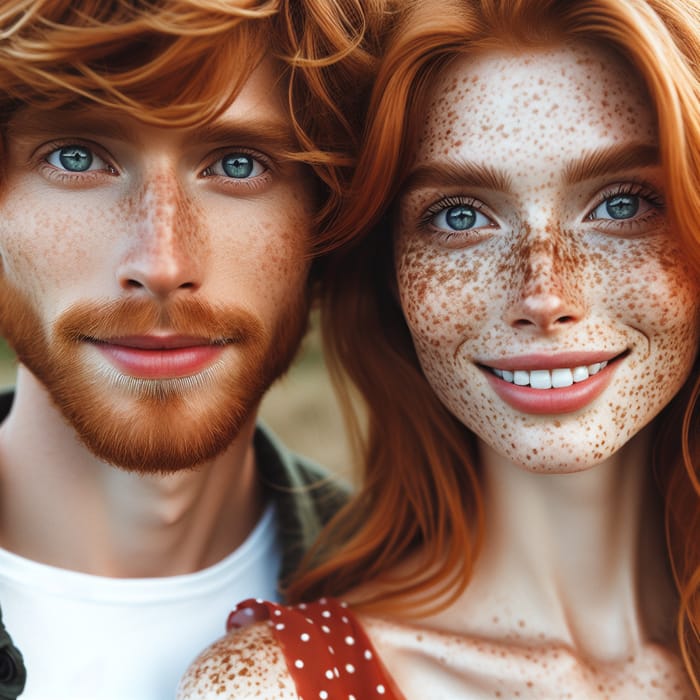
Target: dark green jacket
<point x="305" y="498"/>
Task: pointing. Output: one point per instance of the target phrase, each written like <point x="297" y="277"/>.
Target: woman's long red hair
<point x="420" y="478"/>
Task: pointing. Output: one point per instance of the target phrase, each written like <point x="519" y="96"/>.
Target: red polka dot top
<point x="327" y="651"/>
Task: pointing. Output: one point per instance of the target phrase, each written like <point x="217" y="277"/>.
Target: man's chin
<point x="158" y="427"/>
<point x="153" y="458"/>
<point x="163" y="442"/>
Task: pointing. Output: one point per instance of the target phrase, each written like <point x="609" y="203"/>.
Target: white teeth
<point x="547" y="379"/>
<point x="540" y="379"/>
<point x="521" y="378"/>
<point x="562" y="377"/>
<point x="580" y="374"/>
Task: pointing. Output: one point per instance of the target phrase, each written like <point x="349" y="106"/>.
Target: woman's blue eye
<point x="74" y="158"/>
<point x="621" y="207"/>
<point x="460" y="218"/>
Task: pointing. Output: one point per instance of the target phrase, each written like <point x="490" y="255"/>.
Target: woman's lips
<point x="153" y="357"/>
<point x="550" y="385"/>
<point x="548" y="379"/>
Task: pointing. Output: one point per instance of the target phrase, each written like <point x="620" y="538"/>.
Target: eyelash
<point x="636" y="189"/>
<point x="445" y="203"/>
<point x="641" y="190"/>
<point x="68" y="177"/>
<point x="252" y="183"/>
<point x="474" y="234"/>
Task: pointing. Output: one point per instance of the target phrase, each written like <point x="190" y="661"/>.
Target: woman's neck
<point x="577" y="557"/>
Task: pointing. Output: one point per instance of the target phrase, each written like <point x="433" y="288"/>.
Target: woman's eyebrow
<point x="591" y="164"/>
<point x="451" y="173"/>
<point x="610" y="160"/>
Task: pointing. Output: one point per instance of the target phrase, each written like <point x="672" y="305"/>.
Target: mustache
<point x="132" y="317"/>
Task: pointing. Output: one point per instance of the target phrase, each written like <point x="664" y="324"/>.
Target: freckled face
<point x="154" y="279"/>
<point x="532" y="248"/>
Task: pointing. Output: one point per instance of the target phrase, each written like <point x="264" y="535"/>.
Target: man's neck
<point x="62" y="506"/>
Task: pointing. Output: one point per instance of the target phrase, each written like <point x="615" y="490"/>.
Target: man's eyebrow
<point x="51" y="124"/>
<point x="610" y="160"/>
<point x="451" y="173"/>
<point x="272" y="134"/>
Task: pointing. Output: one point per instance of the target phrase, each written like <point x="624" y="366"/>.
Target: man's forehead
<point x="254" y="98"/>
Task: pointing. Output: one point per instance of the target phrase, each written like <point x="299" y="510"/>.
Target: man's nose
<point x="165" y="249"/>
<point x="545" y="294"/>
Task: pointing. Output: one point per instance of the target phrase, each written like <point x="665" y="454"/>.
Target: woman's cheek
<point x="654" y="291"/>
<point x="429" y="305"/>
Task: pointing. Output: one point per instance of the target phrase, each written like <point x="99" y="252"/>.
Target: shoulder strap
<point x="327" y="651"/>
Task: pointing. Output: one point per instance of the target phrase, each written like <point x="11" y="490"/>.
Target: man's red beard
<point x="153" y="425"/>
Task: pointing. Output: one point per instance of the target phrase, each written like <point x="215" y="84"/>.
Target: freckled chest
<point x="429" y="663"/>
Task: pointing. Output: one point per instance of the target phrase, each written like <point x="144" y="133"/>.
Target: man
<point x="157" y="216"/>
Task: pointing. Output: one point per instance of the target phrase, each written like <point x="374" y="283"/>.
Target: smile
<point x="549" y="379"/>
<point x="552" y="385"/>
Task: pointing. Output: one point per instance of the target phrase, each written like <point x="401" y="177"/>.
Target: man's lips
<point x="159" y="342"/>
<point x="160" y="357"/>
<point x="546" y="384"/>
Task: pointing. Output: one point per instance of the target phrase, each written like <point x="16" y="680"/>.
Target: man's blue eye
<point x="74" y="158"/>
<point x="238" y="165"/>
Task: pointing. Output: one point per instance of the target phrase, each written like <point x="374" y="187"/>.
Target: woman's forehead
<point x="533" y="104"/>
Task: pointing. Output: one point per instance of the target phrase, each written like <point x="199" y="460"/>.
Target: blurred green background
<point x="300" y="407"/>
<point x="7" y="365"/>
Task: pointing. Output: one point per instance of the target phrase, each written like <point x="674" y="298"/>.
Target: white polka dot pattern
<point x="328" y="654"/>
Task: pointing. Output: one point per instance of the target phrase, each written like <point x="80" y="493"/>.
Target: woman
<point x="519" y="304"/>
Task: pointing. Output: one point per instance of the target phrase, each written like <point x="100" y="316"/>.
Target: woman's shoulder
<point x="314" y="650"/>
<point x="242" y="664"/>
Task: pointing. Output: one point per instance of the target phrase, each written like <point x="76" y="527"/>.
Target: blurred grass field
<point x="7" y="365"/>
<point x="300" y="407"/>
